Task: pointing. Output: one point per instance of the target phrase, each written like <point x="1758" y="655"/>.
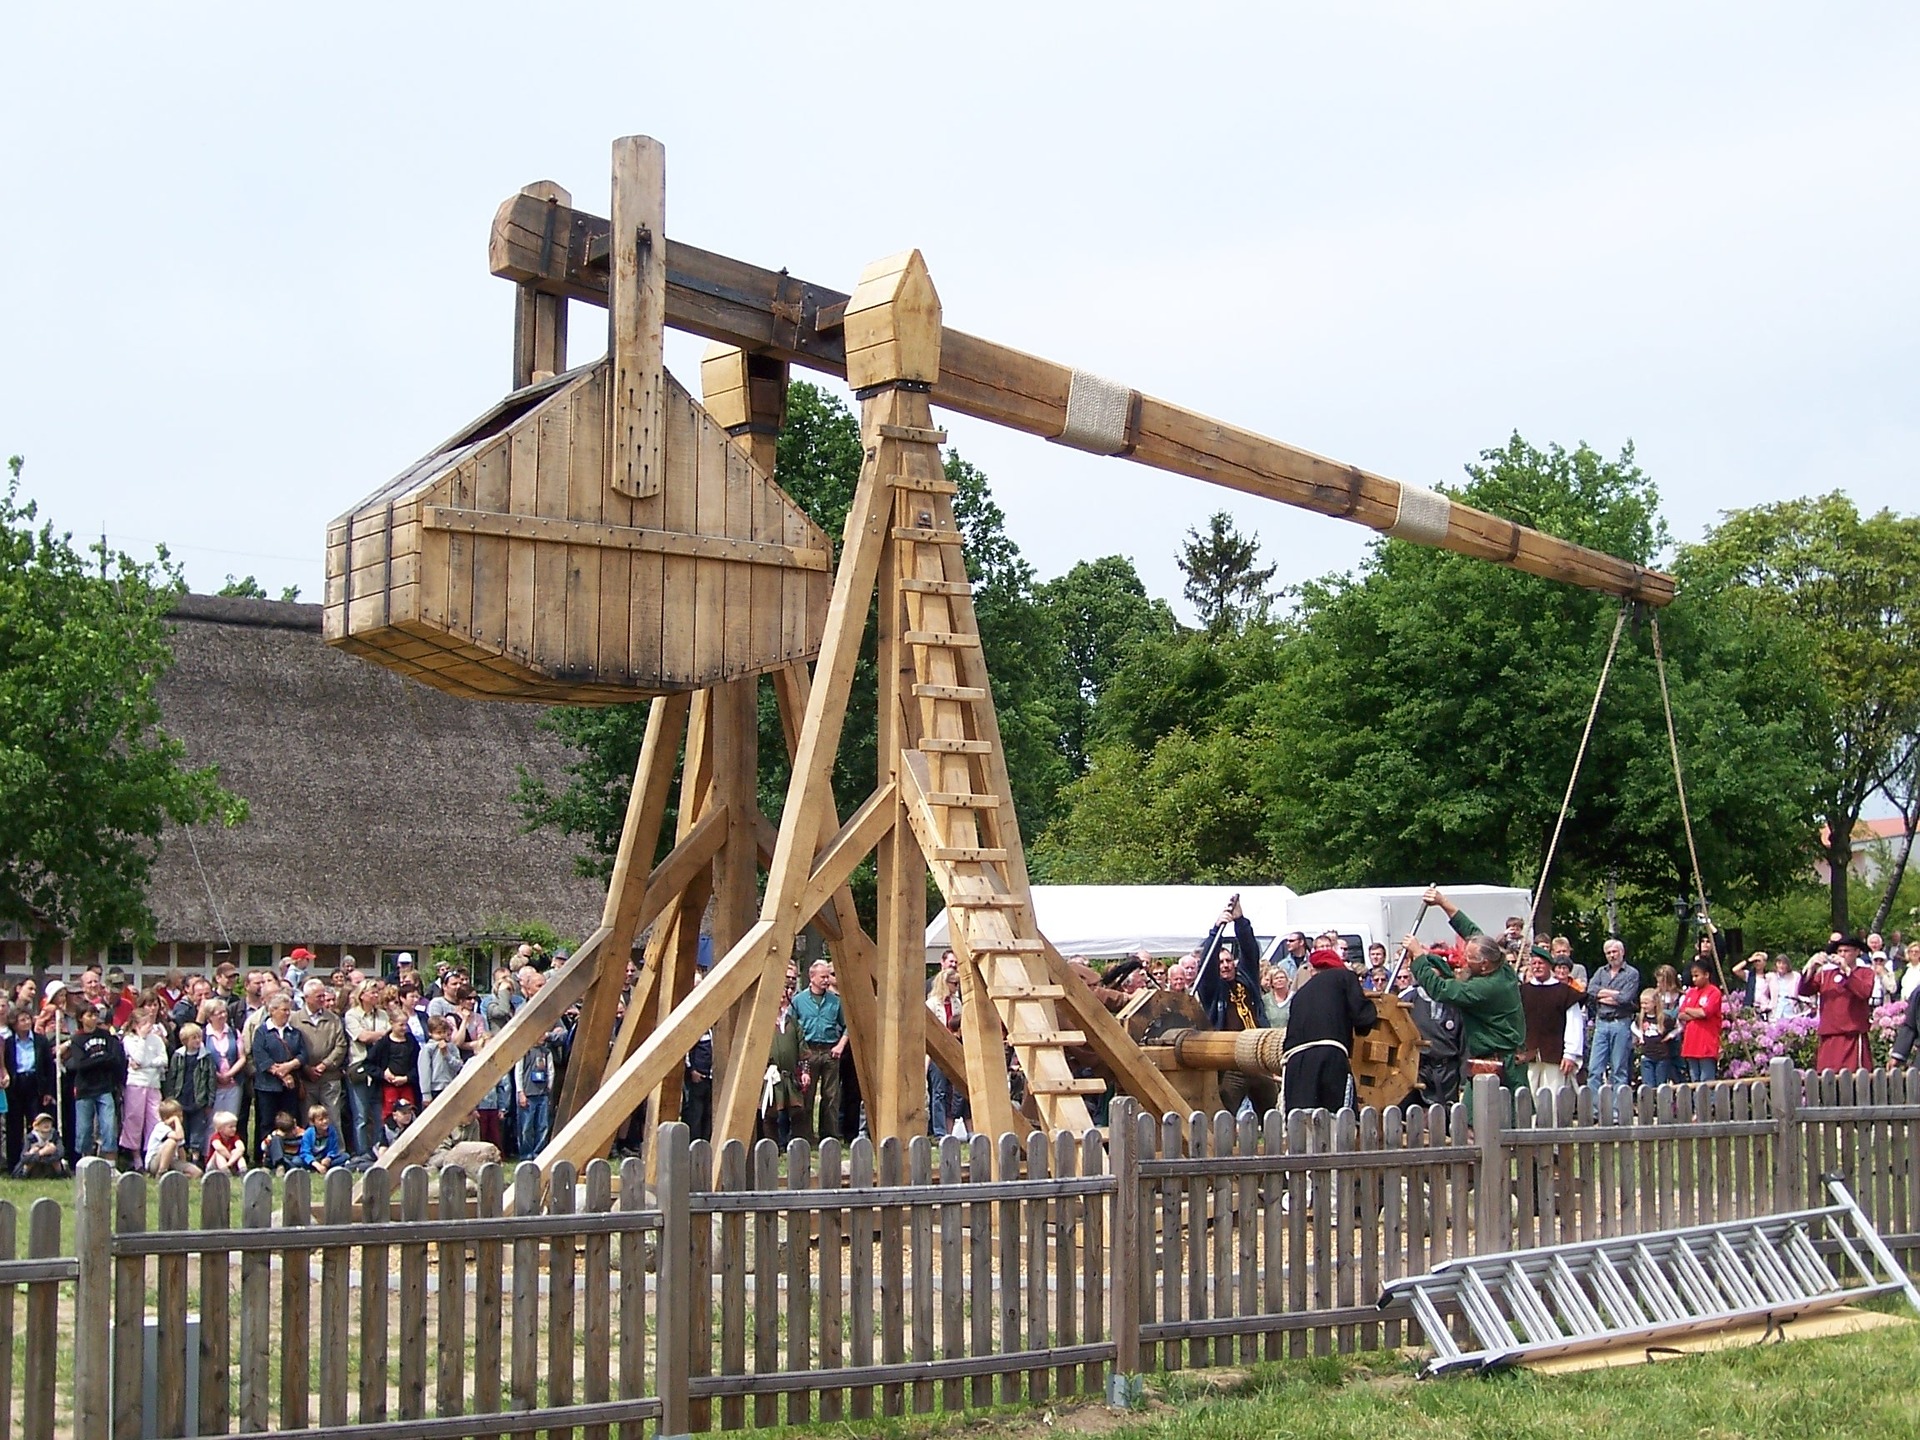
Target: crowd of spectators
<point x="284" y="1067"/>
<point x="287" y="1067"/>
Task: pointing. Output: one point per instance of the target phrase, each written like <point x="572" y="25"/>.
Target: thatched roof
<point x="382" y="810"/>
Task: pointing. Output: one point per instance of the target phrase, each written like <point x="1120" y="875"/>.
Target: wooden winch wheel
<point x="1386" y="1060"/>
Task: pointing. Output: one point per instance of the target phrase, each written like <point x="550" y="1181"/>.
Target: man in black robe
<point x="1329" y="1008"/>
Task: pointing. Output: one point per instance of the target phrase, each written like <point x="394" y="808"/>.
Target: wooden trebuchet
<point x="556" y="249"/>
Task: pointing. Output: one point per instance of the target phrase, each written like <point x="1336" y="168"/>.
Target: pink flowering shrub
<point x="1750" y="1041"/>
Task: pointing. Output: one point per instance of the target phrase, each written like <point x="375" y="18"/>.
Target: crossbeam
<point x="552" y="248"/>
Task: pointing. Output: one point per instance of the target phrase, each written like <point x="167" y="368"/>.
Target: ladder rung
<point x="1037" y="1086"/>
<point x="962" y="800"/>
<point x="987" y="902"/>
<point x="938" y="745"/>
<point x="1046" y="1037"/>
<point x="1025" y="992"/>
<point x="949" y="692"/>
<point x="925" y="536"/>
<point x="968" y="854"/>
<point x="924" y="484"/>
<point x="1006" y="947"/>
<point x="934" y="587"/>
<point x="919" y="435"/>
<point x="950" y="639"/>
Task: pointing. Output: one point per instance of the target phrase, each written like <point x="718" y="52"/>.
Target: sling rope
<point x="1679" y="780"/>
<point x="1580" y="756"/>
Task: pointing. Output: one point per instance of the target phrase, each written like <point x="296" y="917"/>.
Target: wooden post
<point x="1784" y="1081"/>
<point x="1125" y="1242"/>
<point x="93" y="1301"/>
<point x="43" y="1330"/>
<point x="736" y="769"/>
<point x="637" y="315"/>
<point x="539" y="319"/>
<point x="671" y="1318"/>
<point x="1493" y="1222"/>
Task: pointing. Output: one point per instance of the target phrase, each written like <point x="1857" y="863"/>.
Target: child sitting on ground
<point x="320" y="1147"/>
<point x="399" y="1120"/>
<point x="166" y="1149"/>
<point x="226" y="1152"/>
<point x="282" y="1145"/>
<point x="41" y="1154"/>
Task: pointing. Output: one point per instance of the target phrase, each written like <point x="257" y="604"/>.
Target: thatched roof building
<point x="383" y="813"/>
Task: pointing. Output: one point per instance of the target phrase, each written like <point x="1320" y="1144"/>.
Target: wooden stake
<point x="637" y="314"/>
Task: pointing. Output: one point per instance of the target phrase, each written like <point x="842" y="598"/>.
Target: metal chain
<point x="1546" y="865"/>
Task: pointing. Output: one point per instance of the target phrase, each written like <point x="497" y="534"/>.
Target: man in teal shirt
<point x="823" y="1040"/>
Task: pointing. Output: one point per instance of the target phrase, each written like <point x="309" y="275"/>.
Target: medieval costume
<point x="1329" y="1008"/>
<point x="1233" y="1002"/>
<point x="1844" y="991"/>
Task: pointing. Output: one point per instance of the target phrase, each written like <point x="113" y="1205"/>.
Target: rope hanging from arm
<point x="1579" y="758"/>
<point x="1680" y="783"/>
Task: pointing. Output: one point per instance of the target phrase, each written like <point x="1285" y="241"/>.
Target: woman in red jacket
<point x="1701" y="1018"/>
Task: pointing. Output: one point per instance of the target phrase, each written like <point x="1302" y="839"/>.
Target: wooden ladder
<point x="955" y="795"/>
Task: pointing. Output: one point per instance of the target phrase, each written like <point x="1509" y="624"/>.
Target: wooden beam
<point x="639" y="835"/>
<point x="736" y="774"/>
<point x="637" y="315"/>
<point x="622" y="537"/>
<point x="539" y="317"/>
<point x="1108" y="1039"/>
<point x="739" y="304"/>
<point x="842" y="854"/>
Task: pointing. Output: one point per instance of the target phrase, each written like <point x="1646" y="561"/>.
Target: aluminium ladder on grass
<point x="1566" y="1299"/>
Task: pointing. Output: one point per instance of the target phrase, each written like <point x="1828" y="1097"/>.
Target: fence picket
<point x="596" y="1253"/>
<point x="376" y="1203"/>
<point x="450" y="1266"/>
<point x="633" y="1285"/>
<point x="337" y="1208"/>
<point x="43" y="1323"/>
<point x="766" y="1283"/>
<point x="798" y="1306"/>
<point x="832" y="1293"/>
<point x="732" y="1175"/>
<point x="952" y="1272"/>
<point x="920" y="1176"/>
<point x="1009" y="1276"/>
<point x="524" y="1362"/>
<point x="1093" y="1262"/>
<point x="700" y="1171"/>
<point x="130" y="1309"/>
<point x="980" y="1269"/>
<point x="860" y="1273"/>
<point x="562" y="1249"/>
<point x="414" y="1205"/>
<point x="1033" y="1257"/>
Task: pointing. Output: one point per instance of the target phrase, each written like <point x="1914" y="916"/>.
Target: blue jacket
<point x="313" y="1148"/>
<point x="1210" y="990"/>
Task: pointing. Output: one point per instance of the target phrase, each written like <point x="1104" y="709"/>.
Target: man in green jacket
<point x="1483" y="988"/>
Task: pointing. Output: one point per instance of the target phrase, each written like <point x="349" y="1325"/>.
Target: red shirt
<point x="1700" y="1039"/>
<point x="1846" y="1002"/>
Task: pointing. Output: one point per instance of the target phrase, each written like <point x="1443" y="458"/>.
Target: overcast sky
<point x="245" y="247"/>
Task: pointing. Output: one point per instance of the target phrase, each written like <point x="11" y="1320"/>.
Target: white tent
<point x="1387" y="913"/>
<point x="1100" y="921"/>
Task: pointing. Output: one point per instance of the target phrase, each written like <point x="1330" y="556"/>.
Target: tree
<point x="88" y="779"/>
<point x="1104" y="615"/>
<point x="1418" y="721"/>
<point x="1850" y="588"/>
<point x="1224" y="585"/>
<point x="1901" y="785"/>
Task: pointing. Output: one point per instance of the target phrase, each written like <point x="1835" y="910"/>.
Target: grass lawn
<point x="1855" y="1387"/>
<point x="22" y="1193"/>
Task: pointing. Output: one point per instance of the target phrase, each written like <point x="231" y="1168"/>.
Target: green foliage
<point x="1224" y="585"/>
<point x="88" y="779"/>
<point x="1104" y="615"/>
<point x="245" y="588"/>
<point x="1847" y="590"/>
<point x="1419" y="722"/>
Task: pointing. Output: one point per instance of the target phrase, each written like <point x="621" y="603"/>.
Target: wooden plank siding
<point x="514" y="570"/>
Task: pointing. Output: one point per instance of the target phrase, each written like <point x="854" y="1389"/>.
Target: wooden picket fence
<point x="760" y="1287"/>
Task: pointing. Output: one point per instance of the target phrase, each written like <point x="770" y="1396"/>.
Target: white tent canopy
<point x="1387" y="913"/>
<point x="1102" y="921"/>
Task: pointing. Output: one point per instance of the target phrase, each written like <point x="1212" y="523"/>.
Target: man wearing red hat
<point x="1327" y="1010"/>
<point x="1844" y="988"/>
